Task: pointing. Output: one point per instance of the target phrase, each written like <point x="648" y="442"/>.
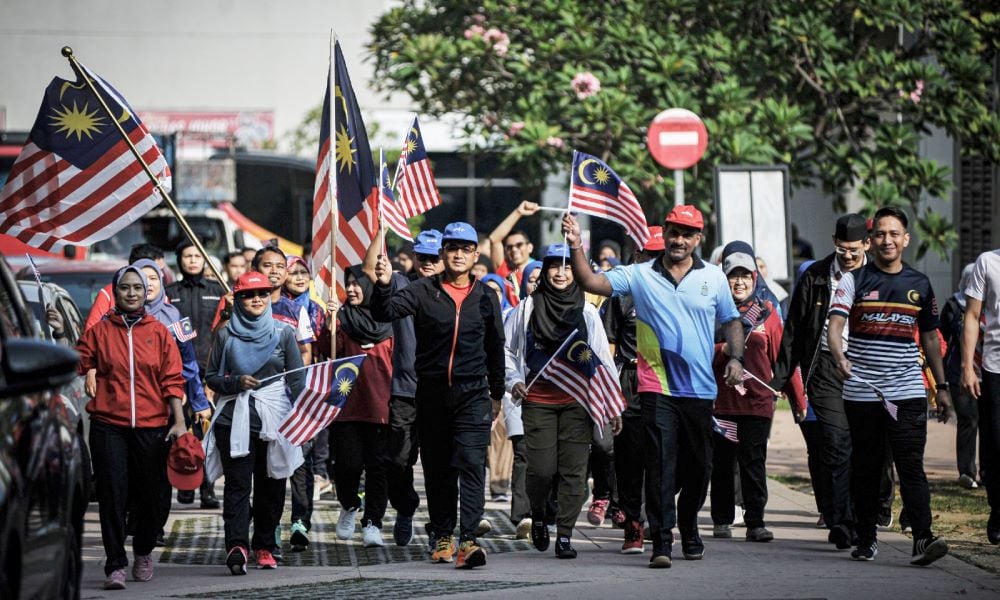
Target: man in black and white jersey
<point x="887" y="303"/>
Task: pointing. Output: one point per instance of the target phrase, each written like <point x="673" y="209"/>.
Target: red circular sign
<point x="677" y="138"/>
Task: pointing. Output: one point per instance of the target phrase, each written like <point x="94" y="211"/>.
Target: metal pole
<point x="678" y="187"/>
<point x="68" y="53"/>
<point x="332" y="191"/>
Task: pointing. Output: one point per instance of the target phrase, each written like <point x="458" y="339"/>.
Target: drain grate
<point x="200" y="541"/>
<point x="383" y="589"/>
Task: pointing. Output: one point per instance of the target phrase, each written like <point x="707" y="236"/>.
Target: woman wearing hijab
<point x="952" y="322"/>
<point x="500" y="285"/>
<point x="359" y="435"/>
<point x="749" y="405"/>
<point x="557" y="429"/>
<point x="138" y="387"/>
<point x="529" y="281"/>
<point x="247" y="367"/>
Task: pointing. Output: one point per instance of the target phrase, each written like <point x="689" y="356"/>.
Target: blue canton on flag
<point x="577" y="370"/>
<point x="597" y="190"/>
<point x="726" y="429"/>
<point x="390" y="209"/>
<point x="183" y="330"/>
<point x="327" y="388"/>
<point x="417" y="191"/>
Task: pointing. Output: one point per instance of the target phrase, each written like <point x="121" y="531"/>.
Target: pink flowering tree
<point x="826" y="88"/>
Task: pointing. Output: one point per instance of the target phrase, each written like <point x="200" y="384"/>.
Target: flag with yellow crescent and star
<point x="344" y="151"/>
<point x="75" y="180"/>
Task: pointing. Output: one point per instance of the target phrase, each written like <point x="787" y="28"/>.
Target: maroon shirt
<point x="369" y="400"/>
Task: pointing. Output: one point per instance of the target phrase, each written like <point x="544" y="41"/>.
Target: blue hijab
<point x="504" y="302"/>
<point x="251" y="341"/>
<point x="528" y="270"/>
<point x="158" y="307"/>
<point x="133" y="316"/>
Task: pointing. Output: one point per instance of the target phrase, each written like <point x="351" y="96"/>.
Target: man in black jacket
<point x="804" y="344"/>
<point x="460" y="368"/>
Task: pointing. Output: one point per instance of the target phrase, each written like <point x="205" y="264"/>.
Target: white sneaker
<point x="345" y="524"/>
<point x="372" y="536"/>
<point x="523" y="529"/>
<point x="484" y="527"/>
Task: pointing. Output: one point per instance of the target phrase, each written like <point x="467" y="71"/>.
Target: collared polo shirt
<point x="675" y="325"/>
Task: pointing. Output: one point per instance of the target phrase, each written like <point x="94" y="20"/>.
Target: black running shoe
<point x="866" y="550"/>
<point x="539" y="535"/>
<point x="927" y="550"/>
<point x="564" y="549"/>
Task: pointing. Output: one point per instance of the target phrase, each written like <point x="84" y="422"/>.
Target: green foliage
<point x="824" y="86"/>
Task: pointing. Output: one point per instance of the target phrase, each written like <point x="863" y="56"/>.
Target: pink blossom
<point x="555" y="142"/>
<point x="501" y="48"/>
<point x="515" y="128"/>
<point x="478" y="18"/>
<point x="474" y="31"/>
<point x="493" y="34"/>
<point x="586" y="85"/>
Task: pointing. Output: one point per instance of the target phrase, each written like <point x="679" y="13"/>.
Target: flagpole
<point x="332" y="191"/>
<point x="569" y="203"/>
<point x="68" y="53"/>
<point x="381" y="213"/>
<point x="319" y="364"/>
<point x="546" y="365"/>
<point x="402" y="157"/>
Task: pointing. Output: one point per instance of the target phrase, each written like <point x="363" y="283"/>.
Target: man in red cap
<point x="619" y="324"/>
<point x="678" y="300"/>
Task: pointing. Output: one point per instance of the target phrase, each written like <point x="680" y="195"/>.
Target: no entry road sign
<point x="677" y="138"/>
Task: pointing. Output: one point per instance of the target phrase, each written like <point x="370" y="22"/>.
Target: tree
<point x="828" y="87"/>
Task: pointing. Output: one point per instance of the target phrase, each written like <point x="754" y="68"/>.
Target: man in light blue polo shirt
<point x="679" y="300"/>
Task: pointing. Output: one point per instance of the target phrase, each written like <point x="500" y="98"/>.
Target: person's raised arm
<point x="386" y="305"/>
<point x="371" y="256"/>
<point x="970" y="338"/>
<point x="524" y="209"/>
<point x="582" y="274"/>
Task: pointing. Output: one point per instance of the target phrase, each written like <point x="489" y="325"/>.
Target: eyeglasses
<point x="740" y="276"/>
<point x="456" y="249"/>
<point x="848" y="251"/>
<point x="254" y="294"/>
<point x="432" y="258"/>
<point x="515" y="245"/>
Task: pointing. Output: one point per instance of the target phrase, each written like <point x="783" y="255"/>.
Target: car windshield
<point x="82" y="287"/>
<point x="38" y="314"/>
<point x="166" y="233"/>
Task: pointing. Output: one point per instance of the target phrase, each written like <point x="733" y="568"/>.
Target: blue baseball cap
<point x="460" y="232"/>
<point x="557" y="251"/>
<point x="428" y="242"/>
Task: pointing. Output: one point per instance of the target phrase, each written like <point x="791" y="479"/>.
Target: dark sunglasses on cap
<point x="254" y="294"/>
<point x="428" y="258"/>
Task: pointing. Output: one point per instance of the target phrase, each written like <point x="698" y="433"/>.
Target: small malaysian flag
<point x="890" y="408"/>
<point x="183" y="330"/>
<point x="35" y="272"/>
<point x="417" y="191"/>
<point x="726" y="429"/>
<point x="597" y="190"/>
<point x="327" y="387"/>
<point x="872" y="295"/>
<point x="390" y="209"/>
<point x="577" y="370"/>
<point x="739" y="387"/>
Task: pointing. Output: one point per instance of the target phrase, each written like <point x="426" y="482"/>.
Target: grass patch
<point x="796" y="482"/>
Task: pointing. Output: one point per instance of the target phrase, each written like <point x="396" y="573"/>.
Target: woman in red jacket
<point x="359" y="433"/>
<point x="749" y="405"/>
<point x="139" y="386"/>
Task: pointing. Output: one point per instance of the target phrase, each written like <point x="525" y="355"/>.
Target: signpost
<point x="677" y="139"/>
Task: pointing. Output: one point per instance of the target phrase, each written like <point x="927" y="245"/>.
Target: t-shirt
<point x="286" y="311"/>
<point x="675" y="325"/>
<point x="458" y="294"/>
<point x="885" y="311"/>
<point x="985" y="287"/>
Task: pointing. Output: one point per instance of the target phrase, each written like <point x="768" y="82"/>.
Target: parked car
<point x="43" y="485"/>
<point x="83" y="279"/>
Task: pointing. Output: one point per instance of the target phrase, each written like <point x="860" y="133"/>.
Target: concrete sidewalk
<point x="798" y="564"/>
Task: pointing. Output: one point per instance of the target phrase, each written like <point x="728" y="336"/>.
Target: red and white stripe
<point x="417" y="191"/>
<point x="394" y="218"/>
<point x="312" y="413"/>
<point x="623" y="209"/>
<point x="601" y="396"/>
<point x="47" y="202"/>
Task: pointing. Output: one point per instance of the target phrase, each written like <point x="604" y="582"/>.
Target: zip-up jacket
<point x="800" y="340"/>
<point x="197" y="300"/>
<point x="452" y="345"/>
<point x="138" y="369"/>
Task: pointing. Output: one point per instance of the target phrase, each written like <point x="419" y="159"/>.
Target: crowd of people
<point x="458" y="330"/>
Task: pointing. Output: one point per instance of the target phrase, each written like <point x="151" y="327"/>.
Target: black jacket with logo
<point x="197" y="299"/>
<point x="451" y="345"/>
<point x="800" y="340"/>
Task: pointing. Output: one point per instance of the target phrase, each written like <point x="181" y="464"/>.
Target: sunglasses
<point x="463" y="249"/>
<point x="847" y="251"/>
<point x="254" y="294"/>
<point x="428" y="258"/>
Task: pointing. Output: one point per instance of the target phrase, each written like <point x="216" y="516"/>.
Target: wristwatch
<point x="943" y="386"/>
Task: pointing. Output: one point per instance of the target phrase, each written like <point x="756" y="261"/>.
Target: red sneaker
<point x="598" y="508"/>
<point x="265" y="560"/>
<point x="633" y="538"/>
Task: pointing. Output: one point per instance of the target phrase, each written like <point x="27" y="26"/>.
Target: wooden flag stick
<point x="332" y="192"/>
<point x="68" y="53"/>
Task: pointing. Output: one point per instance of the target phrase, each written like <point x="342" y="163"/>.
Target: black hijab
<point x="556" y="313"/>
<point x="357" y="320"/>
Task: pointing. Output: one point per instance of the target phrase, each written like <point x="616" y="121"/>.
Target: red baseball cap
<point x="251" y="280"/>
<point x="686" y="215"/>
<point x="186" y="463"/>
<point x="655" y="241"/>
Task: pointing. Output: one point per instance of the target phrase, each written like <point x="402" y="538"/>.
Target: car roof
<point x="75" y="266"/>
<point x="29" y="287"/>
